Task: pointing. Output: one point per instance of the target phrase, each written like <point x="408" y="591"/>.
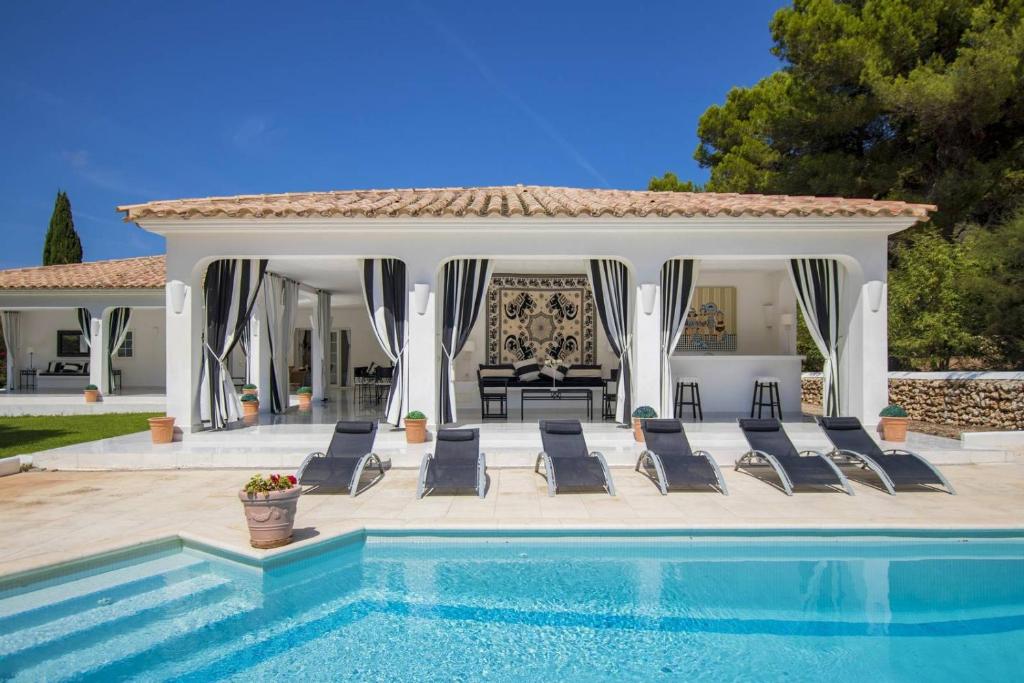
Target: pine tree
<point x="62" y="243"/>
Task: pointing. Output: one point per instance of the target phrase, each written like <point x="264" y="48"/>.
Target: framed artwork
<point x="711" y="322"/>
<point x="540" y="316"/>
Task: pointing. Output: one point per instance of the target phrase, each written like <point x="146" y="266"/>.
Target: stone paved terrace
<point x="50" y="517"/>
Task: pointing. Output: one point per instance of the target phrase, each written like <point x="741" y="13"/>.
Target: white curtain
<point x="819" y="285"/>
<point x="321" y="343"/>
<point x="678" y="281"/>
<point x="11" y="334"/>
<point x="281" y="300"/>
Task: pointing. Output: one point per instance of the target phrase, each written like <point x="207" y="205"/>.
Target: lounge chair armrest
<point x="607" y="474"/>
<point x="702" y="452"/>
<point x="305" y="461"/>
<point x="811" y="451"/>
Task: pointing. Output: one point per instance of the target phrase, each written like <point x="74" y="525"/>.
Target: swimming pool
<point x="594" y="607"/>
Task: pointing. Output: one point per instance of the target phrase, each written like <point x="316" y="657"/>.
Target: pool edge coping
<point x="268" y="559"/>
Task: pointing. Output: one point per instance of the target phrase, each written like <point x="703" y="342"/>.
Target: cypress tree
<point x="62" y="244"/>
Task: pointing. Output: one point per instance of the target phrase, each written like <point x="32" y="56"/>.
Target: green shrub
<point x="250" y="398"/>
<point x="645" y="412"/>
<point x="893" y="411"/>
<point x="304" y="390"/>
<point x="91" y="387"/>
<point x="249" y="387"/>
<point x="415" y="415"/>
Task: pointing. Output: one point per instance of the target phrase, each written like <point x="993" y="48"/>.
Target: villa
<point x="629" y="292"/>
<point x="517" y="320"/>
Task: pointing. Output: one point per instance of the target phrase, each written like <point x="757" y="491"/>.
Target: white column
<point x="259" y="353"/>
<point x="424" y="345"/>
<point x="184" y="343"/>
<point x="647" y="341"/>
<point x="99" y="360"/>
<point x="864" y="369"/>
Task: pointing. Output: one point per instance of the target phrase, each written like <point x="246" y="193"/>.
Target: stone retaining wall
<point x="948" y="398"/>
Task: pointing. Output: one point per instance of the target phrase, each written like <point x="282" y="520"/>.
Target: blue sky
<point x="122" y="103"/>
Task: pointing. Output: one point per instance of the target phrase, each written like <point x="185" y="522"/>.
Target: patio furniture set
<point x="668" y="460"/>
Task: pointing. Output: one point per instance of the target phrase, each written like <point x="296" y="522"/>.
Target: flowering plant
<point x="273" y="482"/>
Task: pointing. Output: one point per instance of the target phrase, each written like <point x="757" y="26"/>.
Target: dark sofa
<point x="494" y="381"/>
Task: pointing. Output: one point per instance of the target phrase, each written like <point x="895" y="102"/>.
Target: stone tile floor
<point x="50" y="517"/>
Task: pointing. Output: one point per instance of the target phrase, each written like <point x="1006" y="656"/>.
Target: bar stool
<point x="771" y="384"/>
<point x="691" y="384"/>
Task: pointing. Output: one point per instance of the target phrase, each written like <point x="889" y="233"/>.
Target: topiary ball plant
<point x="91" y="387"/>
<point x="304" y="390"/>
<point x="250" y="398"/>
<point x="645" y="412"/>
<point x="893" y="410"/>
<point x="249" y="387"/>
<point x="415" y="415"/>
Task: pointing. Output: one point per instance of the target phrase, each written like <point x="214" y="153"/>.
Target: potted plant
<point x="161" y="429"/>
<point x="894" y="423"/>
<point x="641" y="413"/>
<point x="415" y="427"/>
<point x="269" y="503"/>
<point x="250" y="407"/>
<point x="305" y="395"/>
<point x="249" y="389"/>
<point x="92" y="393"/>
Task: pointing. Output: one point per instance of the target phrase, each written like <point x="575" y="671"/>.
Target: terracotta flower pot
<point x="92" y="395"/>
<point x="161" y="429"/>
<point x="304" y="401"/>
<point x="638" y="432"/>
<point x="270" y="516"/>
<point x="415" y="430"/>
<point x="894" y="428"/>
<point x="250" y="408"/>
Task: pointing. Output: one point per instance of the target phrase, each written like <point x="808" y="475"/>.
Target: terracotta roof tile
<point x="146" y="272"/>
<point x="518" y="200"/>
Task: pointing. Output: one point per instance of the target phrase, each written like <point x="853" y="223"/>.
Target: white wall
<point x="364" y="347"/>
<point x="754" y="288"/>
<point x="146" y="369"/>
<point x="467" y="363"/>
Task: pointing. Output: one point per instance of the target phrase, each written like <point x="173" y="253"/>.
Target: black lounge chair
<point x="456" y="463"/>
<point x="669" y="460"/>
<point x="341" y="467"/>
<point x="897" y="467"/>
<point x="769" y="445"/>
<point x="567" y="463"/>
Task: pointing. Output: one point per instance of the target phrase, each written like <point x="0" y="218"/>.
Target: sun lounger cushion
<point x="662" y="426"/>
<point x="562" y="427"/>
<point x="456" y="435"/>
<point x="353" y="427"/>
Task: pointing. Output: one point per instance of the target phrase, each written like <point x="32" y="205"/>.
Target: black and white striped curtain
<point x="117" y="330"/>
<point x="678" y="280"/>
<point x="85" y="325"/>
<point x="386" y="295"/>
<point x="281" y="299"/>
<point x="229" y="292"/>
<point x="609" y="280"/>
<point x="463" y="285"/>
<point x="819" y="289"/>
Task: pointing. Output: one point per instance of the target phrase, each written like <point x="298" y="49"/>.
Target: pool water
<point x="535" y="608"/>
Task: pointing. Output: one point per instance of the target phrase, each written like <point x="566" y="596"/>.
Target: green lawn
<point x="31" y="433"/>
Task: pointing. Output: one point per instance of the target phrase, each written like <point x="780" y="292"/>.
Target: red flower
<point x="275" y="478"/>
<point x="292" y="479"/>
